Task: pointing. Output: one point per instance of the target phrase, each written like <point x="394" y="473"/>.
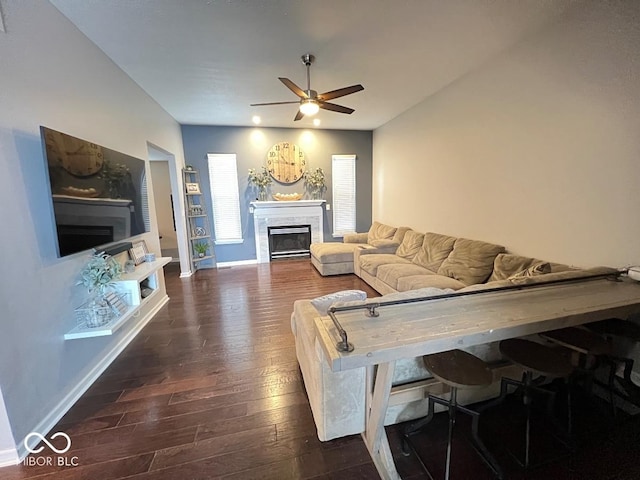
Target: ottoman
<point x="334" y="258"/>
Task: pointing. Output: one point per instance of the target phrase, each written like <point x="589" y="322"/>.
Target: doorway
<point x="168" y="206"/>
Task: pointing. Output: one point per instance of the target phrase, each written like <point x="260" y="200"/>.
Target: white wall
<point x="53" y="76"/>
<point x="538" y="150"/>
<point x="164" y="213"/>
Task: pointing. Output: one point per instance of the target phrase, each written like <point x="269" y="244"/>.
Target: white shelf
<point x="130" y="283"/>
<point x="199" y="259"/>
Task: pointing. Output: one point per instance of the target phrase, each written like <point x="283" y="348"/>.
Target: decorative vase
<point x="262" y="195"/>
<point x="316" y="194"/>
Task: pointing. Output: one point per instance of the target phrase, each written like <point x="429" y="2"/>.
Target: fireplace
<point x="285" y="214"/>
<point x="289" y="241"/>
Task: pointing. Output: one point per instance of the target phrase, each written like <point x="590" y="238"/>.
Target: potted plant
<point x="201" y="248"/>
<point x="315" y="182"/>
<point x="116" y="176"/>
<point x="261" y="181"/>
<point x="98" y="277"/>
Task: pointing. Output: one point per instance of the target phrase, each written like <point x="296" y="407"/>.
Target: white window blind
<point x="343" y="179"/>
<point x="146" y="217"/>
<point x="225" y="198"/>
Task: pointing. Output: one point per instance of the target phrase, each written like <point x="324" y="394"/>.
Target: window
<point x="223" y="177"/>
<point x="146" y="218"/>
<point x="343" y="178"/>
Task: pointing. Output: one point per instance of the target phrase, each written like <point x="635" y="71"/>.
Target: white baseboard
<point x="9" y="457"/>
<point x="74" y="395"/>
<point x="236" y="264"/>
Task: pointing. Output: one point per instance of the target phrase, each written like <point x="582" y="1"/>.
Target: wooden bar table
<point x="441" y="324"/>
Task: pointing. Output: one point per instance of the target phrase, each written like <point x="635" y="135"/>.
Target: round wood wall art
<point x="286" y="162"/>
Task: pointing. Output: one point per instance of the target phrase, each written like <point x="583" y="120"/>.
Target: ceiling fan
<point x="310" y="101"/>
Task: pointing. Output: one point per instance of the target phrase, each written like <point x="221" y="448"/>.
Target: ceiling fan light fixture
<point x="309" y="107"/>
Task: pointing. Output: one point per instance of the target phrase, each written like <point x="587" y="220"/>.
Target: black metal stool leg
<point x="417" y="426"/>
<point x="479" y="445"/>
<point x="453" y="403"/>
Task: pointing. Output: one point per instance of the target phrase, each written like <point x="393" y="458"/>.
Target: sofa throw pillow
<point x="323" y="303"/>
<point x="411" y="244"/>
<point x="379" y="231"/>
<point x="539" y="268"/>
<point x="435" y="249"/>
<point x="471" y="261"/>
<point x="507" y="264"/>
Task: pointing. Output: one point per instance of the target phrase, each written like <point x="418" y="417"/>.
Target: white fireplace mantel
<point x="285" y="213"/>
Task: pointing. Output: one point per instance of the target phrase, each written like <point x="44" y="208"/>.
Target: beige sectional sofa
<point x="335" y="258"/>
<point x="418" y="265"/>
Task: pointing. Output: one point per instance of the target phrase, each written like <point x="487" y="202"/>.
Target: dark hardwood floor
<point x="211" y="389"/>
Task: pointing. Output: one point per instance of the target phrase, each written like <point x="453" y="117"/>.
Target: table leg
<point x="375" y="436"/>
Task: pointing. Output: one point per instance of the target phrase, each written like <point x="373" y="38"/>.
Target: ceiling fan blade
<point x="271" y="103"/>
<point x="341" y="92"/>
<point x="335" y="108"/>
<point x="299" y="116"/>
<point x="293" y="87"/>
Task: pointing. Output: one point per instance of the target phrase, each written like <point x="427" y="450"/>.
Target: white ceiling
<point x="205" y="61"/>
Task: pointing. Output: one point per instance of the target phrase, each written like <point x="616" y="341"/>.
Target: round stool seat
<point x="535" y="357"/>
<point x="458" y="369"/>
<point x="616" y="327"/>
<point x="578" y="339"/>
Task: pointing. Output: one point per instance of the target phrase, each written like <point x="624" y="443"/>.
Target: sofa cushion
<point x="471" y="261"/>
<point x="380" y="231"/>
<point x="370" y="263"/>
<point x="411" y="244"/>
<point x="507" y="264"/>
<point x="435" y="248"/>
<point x="390" y="273"/>
<point x="414" y="282"/>
<point x="323" y="303"/>
<point x="539" y="268"/>
<point x="398" y="237"/>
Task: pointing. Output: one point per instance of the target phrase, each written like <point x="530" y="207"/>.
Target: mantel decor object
<point x="261" y="181"/>
<point x="314" y="181"/>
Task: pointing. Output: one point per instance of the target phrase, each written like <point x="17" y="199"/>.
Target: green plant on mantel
<point x="260" y="180"/>
<point x="315" y="181"/>
<point x="115" y="176"/>
<point x="201" y="248"/>
<point x="100" y="273"/>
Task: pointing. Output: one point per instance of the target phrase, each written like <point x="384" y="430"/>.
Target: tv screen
<point x="99" y="195"/>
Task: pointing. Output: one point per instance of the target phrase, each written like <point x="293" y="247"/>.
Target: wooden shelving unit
<point x="197" y="221"/>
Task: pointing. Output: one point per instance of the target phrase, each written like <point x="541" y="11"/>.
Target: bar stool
<point x="457" y="369"/>
<point x="591" y="348"/>
<point x="541" y="361"/>
<point x="612" y="329"/>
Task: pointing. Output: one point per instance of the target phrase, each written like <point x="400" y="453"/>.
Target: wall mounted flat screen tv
<point x="99" y="195"/>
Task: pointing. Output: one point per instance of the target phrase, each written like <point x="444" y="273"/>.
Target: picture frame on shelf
<point x="138" y="251"/>
<point x="192" y="188"/>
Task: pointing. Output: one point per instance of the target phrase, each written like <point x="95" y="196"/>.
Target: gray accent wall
<point x="251" y="144"/>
